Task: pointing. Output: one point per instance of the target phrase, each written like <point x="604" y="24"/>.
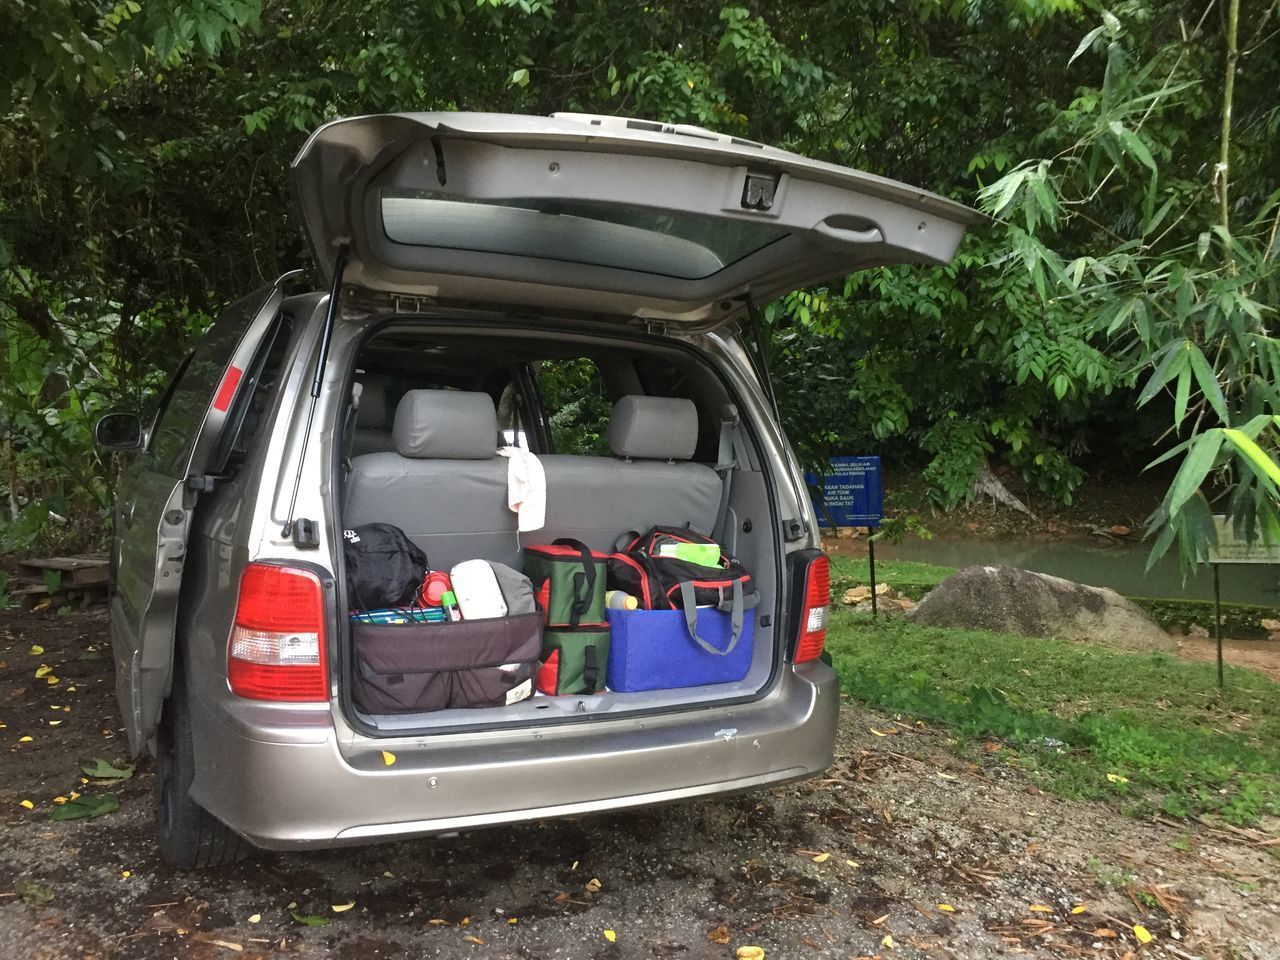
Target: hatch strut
<point x="761" y="358"/>
<point x="303" y="530"/>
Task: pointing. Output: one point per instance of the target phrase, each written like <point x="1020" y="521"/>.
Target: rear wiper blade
<point x="302" y="530"/>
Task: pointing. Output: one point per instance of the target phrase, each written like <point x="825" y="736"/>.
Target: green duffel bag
<point x="574" y="661"/>
<point x="568" y="582"/>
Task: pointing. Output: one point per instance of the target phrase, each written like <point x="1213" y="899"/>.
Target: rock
<point x="1269" y="625"/>
<point x="884" y="590"/>
<point x="906" y="603"/>
<point x="1197" y="631"/>
<point x="1008" y="600"/>
<point x="846" y="533"/>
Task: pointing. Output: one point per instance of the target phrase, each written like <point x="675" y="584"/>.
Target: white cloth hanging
<point x="526" y="488"/>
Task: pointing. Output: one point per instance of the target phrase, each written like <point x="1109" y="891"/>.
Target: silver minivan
<point x="551" y="266"/>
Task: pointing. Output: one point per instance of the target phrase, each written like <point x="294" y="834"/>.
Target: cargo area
<point x="627" y="435"/>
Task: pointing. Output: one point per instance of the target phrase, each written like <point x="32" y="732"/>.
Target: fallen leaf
<point x="749" y="952"/>
<point x="34" y="893"/>
<point x="51" y="680"/>
<point x="464" y="922"/>
<point x="54" y="723"/>
<point x="1040" y="908"/>
<point x="947" y="776"/>
<point x="719" y="935"/>
<point x="1142" y="933"/>
<point x="126" y="874"/>
<point x="593" y="885"/>
<point x="43" y="671"/>
<point x="512" y="921"/>
<point x="822" y="858"/>
<point x="887" y="942"/>
<point x="388" y="874"/>
<point x="879" y="920"/>
<point x="256" y="918"/>
<point x="437" y="922"/>
<point x="99" y="769"/>
<point x="1116" y="778"/>
<point x="292" y="905"/>
<point x="946" y="908"/>
<point x="24" y="739"/>
<point x="59" y="799"/>
<point x="610" y="936"/>
<point x="36" y="650"/>
<point x="1106" y="932"/>
<point x="90" y="806"/>
<point x="852" y="863"/>
<point x="993" y="747"/>
<point x="388" y="757"/>
<point x="472" y="938"/>
<point x="883" y="733"/>
<point x="308" y="921"/>
<point x="341" y="907"/>
<point x="1079" y="908"/>
<point x="26" y="803"/>
<point x="227" y="944"/>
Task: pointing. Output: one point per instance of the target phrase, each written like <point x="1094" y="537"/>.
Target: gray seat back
<point x="447" y="489"/>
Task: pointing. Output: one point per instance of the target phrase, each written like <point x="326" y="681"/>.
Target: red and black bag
<point x="668" y="583"/>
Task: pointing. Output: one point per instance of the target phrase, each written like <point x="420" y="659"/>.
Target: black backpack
<point x="666" y="583"/>
<point x="384" y="567"/>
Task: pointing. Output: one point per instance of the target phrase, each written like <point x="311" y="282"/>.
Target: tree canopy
<point x="1131" y="264"/>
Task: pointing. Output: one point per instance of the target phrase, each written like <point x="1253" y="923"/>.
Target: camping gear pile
<point x="667" y="608"/>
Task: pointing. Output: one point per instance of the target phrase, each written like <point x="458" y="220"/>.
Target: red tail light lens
<point x="813" y="615"/>
<point x="277" y="644"/>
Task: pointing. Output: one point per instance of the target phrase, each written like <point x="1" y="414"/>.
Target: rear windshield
<point x="685" y="246"/>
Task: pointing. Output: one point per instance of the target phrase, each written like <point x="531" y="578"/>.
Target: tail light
<point x="277" y="644"/>
<point x="813" y="611"/>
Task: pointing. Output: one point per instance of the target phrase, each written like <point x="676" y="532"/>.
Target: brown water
<point x="1119" y="566"/>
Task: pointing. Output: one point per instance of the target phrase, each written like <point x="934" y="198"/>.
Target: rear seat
<point x="446" y="487"/>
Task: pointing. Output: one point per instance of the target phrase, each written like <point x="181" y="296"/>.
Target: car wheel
<point x="190" y="836"/>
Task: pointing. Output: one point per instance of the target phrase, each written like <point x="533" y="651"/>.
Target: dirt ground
<point x="904" y="850"/>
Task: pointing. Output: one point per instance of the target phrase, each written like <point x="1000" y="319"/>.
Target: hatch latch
<point x="758" y="191"/>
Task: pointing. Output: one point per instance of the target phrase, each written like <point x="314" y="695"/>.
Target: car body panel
<point x="154" y="507"/>
<point x="590" y="214"/>
<point x="282" y="778"/>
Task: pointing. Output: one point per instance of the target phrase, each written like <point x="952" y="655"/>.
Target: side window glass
<point x="577" y="406"/>
<point x="160" y="421"/>
<point x="511" y="417"/>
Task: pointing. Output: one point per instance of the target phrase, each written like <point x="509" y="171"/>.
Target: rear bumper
<point x="282" y="778"/>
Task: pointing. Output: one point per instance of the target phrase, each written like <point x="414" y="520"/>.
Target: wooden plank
<point x="66" y="564"/>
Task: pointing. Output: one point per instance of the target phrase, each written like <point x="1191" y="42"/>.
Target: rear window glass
<point x="685" y="246"/>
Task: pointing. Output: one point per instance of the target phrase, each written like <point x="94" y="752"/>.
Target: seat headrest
<point x="654" y="428"/>
<point x="445" y="425"/>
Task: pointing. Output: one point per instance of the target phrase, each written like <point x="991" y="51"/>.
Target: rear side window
<point x="577" y="406"/>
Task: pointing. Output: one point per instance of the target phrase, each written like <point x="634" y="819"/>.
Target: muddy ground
<point x="862" y="863"/>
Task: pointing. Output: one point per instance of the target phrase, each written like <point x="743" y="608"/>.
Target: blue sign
<point x="849" y="495"/>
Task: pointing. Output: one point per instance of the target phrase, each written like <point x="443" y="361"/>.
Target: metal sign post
<point x="849" y="494"/>
<point x="1229" y="548"/>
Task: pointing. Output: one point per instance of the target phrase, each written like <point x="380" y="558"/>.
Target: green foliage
<point x="145" y="148"/>
<point x="1145" y="730"/>
<point x="574" y="396"/>
<point x="1130" y="224"/>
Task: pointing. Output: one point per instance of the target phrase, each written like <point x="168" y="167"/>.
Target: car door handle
<point x="849" y="235"/>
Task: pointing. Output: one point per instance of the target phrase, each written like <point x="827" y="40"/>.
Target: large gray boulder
<point x="1008" y="600"/>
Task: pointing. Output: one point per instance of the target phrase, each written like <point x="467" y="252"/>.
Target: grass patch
<point x="1145" y="730"/>
<point x="911" y="578"/>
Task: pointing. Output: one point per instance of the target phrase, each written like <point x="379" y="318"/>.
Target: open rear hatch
<point x="601" y="215"/>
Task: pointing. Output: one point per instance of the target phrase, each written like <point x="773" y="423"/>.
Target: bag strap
<point x="691" y="617"/>
<point x="590" y="669"/>
<point x="584" y="583"/>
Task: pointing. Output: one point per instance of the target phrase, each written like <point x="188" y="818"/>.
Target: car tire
<point x="190" y="836"/>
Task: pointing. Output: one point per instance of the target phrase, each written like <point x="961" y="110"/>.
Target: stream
<point x="1119" y="566"/>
